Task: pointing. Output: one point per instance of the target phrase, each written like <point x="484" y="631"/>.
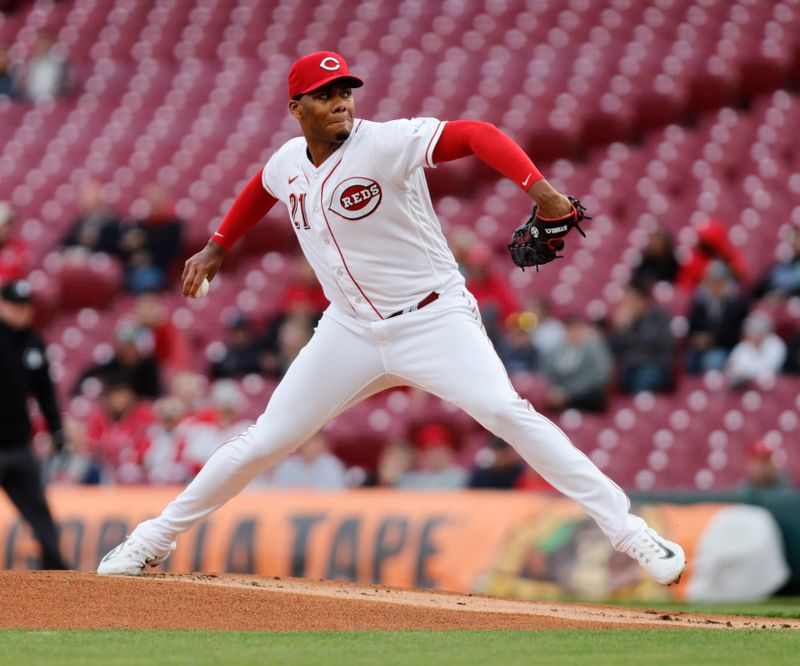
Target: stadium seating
<point x="654" y="113"/>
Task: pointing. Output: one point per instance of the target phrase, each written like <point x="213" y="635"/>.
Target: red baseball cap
<point x="760" y="450"/>
<point x="434" y="434"/>
<point x="316" y="69"/>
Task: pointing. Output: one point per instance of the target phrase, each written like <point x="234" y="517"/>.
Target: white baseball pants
<point x="442" y="349"/>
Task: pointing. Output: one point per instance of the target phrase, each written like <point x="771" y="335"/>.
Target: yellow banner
<point x="505" y="543"/>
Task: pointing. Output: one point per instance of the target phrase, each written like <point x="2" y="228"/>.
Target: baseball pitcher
<point x="399" y="312"/>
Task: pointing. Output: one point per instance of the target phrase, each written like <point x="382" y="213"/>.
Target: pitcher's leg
<point x="336" y="367"/>
<point x="458" y="363"/>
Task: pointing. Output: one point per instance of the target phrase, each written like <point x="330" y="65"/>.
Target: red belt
<point x="430" y="298"/>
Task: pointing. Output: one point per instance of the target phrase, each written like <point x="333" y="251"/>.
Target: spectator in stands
<point x="461" y="240"/>
<point x="14" y="252"/>
<point x="496" y="299"/>
<point x="759" y="356"/>
<point x="500" y="469"/>
<point x="80" y="465"/>
<point x="782" y="279"/>
<point x="190" y="388"/>
<point x="171" y="349"/>
<point x="181" y="414"/>
<point x="303" y="295"/>
<point x="132" y="360"/>
<point x="150" y="246"/>
<point x="641" y="342"/>
<point x="117" y="431"/>
<point x="242" y="351"/>
<point x="516" y="349"/>
<point x="762" y="470"/>
<point x="396" y="459"/>
<point x="164" y="461"/>
<point x="579" y="372"/>
<point x="658" y="262"/>
<point x="46" y="75"/>
<point x="292" y="335"/>
<point x="300" y="308"/>
<point x="436" y="469"/>
<point x="221" y="421"/>
<point x="312" y="467"/>
<point x="9" y="85"/>
<point x="715" y="319"/>
<point x="97" y="227"/>
<point x="547" y="331"/>
<point x="712" y="243"/>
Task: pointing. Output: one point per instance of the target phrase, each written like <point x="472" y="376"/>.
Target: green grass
<point x="775" y="607"/>
<point x="406" y="648"/>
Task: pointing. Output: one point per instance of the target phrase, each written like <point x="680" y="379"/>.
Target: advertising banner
<point x="523" y="545"/>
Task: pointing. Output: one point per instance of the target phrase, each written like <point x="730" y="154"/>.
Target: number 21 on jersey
<point x="298" y="204"/>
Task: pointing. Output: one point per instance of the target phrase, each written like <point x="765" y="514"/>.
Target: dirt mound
<point x="73" y="600"/>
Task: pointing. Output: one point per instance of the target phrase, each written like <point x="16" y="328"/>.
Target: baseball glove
<point x="539" y="240"/>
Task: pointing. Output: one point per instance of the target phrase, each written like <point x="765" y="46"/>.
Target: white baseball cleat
<point x="130" y="558"/>
<point x="664" y="560"/>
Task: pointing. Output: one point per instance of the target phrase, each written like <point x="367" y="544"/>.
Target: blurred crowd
<point x="727" y="321"/>
<point x="41" y="75"/>
<point x="146" y="245"/>
<point x="156" y="412"/>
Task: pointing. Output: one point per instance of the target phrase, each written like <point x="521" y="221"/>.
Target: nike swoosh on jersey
<point x="527" y="178"/>
<point x="291" y="180"/>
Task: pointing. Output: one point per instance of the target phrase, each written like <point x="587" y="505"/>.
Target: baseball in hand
<point x="202" y="290"/>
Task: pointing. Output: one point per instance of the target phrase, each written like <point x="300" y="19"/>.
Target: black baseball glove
<point x="539" y="240"/>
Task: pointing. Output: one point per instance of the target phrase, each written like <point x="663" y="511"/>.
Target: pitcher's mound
<point x="73" y="600"/>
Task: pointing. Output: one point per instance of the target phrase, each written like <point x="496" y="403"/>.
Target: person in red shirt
<point x="303" y="289"/>
<point x="712" y="243"/>
<point x="117" y="432"/>
<point x="171" y="348"/>
<point x="496" y="299"/>
<point x="14" y="252"/>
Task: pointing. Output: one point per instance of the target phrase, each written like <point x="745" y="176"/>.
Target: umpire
<point x="24" y="371"/>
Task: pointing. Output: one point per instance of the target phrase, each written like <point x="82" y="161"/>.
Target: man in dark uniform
<point x="24" y="371"/>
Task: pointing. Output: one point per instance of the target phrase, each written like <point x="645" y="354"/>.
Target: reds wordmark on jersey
<point x="364" y="217"/>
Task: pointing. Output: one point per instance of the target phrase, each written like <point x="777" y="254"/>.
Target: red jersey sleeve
<point x="460" y="138"/>
<point x="252" y="204"/>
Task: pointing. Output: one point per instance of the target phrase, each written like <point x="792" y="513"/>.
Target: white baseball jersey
<point x="364" y="217"/>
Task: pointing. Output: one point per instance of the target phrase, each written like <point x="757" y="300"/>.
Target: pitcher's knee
<point x="501" y="415"/>
<point x="254" y="444"/>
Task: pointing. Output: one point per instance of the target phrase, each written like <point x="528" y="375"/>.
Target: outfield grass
<point x="407" y="648"/>
<point x="776" y="607"/>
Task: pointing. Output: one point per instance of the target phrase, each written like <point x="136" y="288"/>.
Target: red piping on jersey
<point x="430" y="162"/>
<point x="336" y="243"/>
<point x="473" y="137"/>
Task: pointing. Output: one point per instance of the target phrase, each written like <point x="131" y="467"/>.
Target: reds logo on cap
<point x="355" y="198"/>
<point x="330" y="63"/>
<point x="318" y="69"/>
